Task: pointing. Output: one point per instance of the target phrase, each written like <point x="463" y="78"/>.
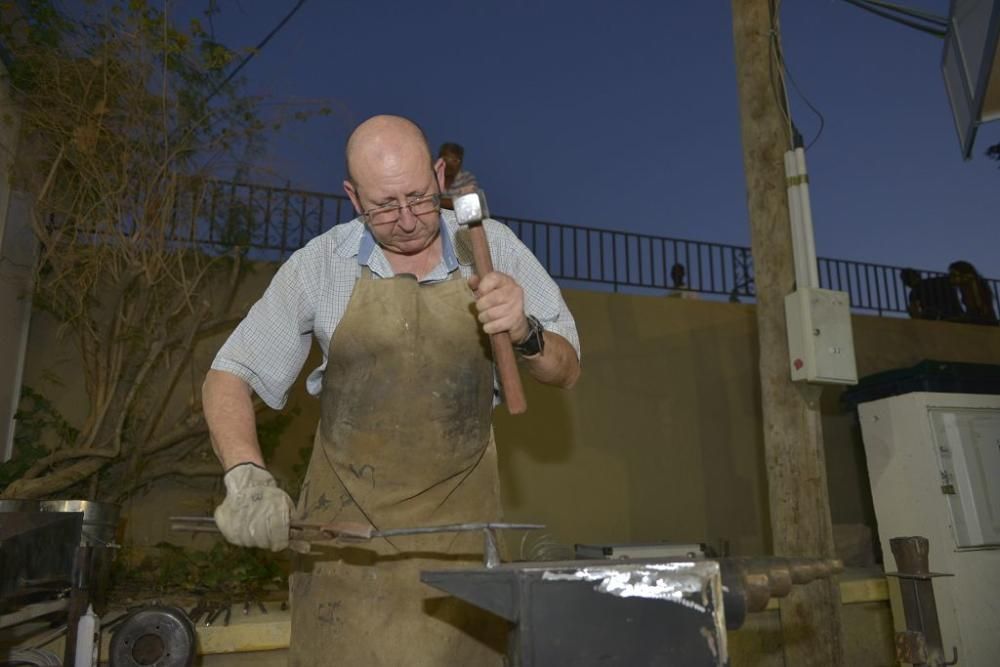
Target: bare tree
<point x="124" y="116"/>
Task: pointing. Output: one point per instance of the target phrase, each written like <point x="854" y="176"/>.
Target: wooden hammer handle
<point x="503" y="350"/>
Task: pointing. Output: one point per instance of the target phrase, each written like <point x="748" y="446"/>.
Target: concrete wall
<point x="660" y="441"/>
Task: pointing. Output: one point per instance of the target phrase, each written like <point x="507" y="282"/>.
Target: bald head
<point x="388" y="167"/>
<point x="383" y="142"/>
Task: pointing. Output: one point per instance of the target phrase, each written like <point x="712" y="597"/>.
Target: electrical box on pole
<point x="818" y="321"/>
<point x="820" y="341"/>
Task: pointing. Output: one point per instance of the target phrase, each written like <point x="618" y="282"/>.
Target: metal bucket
<point x="19" y="505"/>
<point x="100" y="525"/>
<point x="100" y="520"/>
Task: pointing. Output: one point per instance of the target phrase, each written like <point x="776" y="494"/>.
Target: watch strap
<point x="534" y="342"/>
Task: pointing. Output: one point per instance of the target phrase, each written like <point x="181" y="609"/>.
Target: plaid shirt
<point x="464" y="183"/>
<point x="309" y="294"/>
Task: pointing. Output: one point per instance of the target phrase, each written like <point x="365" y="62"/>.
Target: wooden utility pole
<point x="793" y="438"/>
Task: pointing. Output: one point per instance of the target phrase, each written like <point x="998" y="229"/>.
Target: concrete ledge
<point x="244" y="634"/>
<point x="869" y="589"/>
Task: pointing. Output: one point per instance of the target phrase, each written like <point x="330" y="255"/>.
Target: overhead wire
<point x="786" y="73"/>
<point x="775" y="65"/>
<point x="257" y="49"/>
<point x="805" y="100"/>
<point x="930" y="26"/>
<point x="779" y="63"/>
<point x="909" y="11"/>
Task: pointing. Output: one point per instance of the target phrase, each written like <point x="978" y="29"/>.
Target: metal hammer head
<point x="470" y="209"/>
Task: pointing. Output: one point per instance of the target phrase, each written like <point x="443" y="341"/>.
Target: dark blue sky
<point x="623" y="115"/>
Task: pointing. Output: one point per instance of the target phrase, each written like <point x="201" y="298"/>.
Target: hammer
<point x="470" y="209"/>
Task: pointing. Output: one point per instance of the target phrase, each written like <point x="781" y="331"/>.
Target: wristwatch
<point x="534" y="343"/>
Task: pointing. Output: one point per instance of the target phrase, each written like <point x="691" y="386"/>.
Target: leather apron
<point x="404" y="440"/>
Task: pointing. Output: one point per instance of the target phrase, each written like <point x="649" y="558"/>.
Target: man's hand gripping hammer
<point x="470" y="209"/>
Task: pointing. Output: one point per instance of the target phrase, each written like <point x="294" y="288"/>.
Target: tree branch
<point x="180" y="469"/>
<point x="56" y="481"/>
<point x="61" y="455"/>
<point x="189" y="427"/>
<point x="167" y="386"/>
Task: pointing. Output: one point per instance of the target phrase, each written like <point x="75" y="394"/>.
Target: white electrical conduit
<point x="795" y="218"/>
<point x="807" y="219"/>
<point x="800" y="216"/>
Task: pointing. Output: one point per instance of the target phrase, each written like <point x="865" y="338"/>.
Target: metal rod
<point x="200" y="524"/>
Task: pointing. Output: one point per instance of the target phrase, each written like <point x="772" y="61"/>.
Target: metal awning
<point x="971" y="67"/>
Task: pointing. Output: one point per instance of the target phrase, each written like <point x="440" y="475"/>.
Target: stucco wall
<point x="660" y="440"/>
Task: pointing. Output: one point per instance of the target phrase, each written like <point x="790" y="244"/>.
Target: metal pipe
<point x="808" y="239"/>
<point x="795" y="219"/>
<point x="920" y="644"/>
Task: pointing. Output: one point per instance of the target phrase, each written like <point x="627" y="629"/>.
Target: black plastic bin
<point x="933" y="376"/>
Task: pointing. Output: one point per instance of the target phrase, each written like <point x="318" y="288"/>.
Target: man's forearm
<point x="232" y="423"/>
<point x="557" y="364"/>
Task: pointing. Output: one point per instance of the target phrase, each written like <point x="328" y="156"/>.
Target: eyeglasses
<point x="386" y="215"/>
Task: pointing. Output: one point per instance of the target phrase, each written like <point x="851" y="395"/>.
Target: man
<point x="977" y="297"/>
<point x="931" y="298"/>
<point x="457" y="181"/>
<point x="406" y="392"/>
<point x="678" y="275"/>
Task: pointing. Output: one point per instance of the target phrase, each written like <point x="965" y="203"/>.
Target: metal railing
<point x="626" y="261"/>
<point x="274" y="221"/>
<point x="270" y="221"/>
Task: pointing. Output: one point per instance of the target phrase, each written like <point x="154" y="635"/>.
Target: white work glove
<point x="255" y="513"/>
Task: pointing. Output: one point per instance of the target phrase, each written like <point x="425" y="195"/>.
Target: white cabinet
<point x="967" y="443"/>
<point x="934" y="464"/>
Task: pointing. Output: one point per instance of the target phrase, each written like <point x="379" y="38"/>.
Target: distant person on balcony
<point x="457" y="181"/>
<point x="681" y="290"/>
<point x="933" y="298"/>
<point x="977" y="297"/>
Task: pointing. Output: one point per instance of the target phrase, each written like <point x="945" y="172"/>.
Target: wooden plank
<point x="855" y="591"/>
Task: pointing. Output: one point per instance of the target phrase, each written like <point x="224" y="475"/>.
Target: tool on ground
<point x="471" y="210"/>
<point x="304" y="532"/>
<point x="920" y="644"/>
<point x="209" y="609"/>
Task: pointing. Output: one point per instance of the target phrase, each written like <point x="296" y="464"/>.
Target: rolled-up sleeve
<point x="542" y="296"/>
<point x="268" y="348"/>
